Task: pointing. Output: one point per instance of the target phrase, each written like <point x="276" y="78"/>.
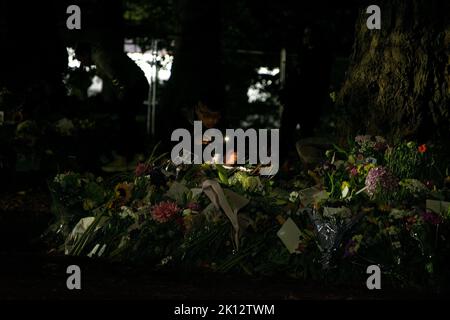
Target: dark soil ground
<point x="28" y="271"/>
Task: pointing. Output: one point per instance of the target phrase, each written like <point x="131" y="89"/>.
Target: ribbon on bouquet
<point x="217" y="195"/>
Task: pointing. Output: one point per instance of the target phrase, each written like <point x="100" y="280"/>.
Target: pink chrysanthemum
<point x="380" y="178"/>
<point x="164" y="211"/>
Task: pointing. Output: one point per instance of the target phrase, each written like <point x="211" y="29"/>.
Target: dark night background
<point x="340" y="81"/>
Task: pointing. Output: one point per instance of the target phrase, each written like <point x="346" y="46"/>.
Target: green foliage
<point x="406" y="162"/>
<point x="160" y="15"/>
<point x="341" y="228"/>
<point x="76" y="196"/>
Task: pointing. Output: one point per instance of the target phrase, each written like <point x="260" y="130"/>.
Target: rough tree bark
<point x="398" y="82"/>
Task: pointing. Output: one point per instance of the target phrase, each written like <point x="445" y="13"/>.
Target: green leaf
<point x="223" y="174"/>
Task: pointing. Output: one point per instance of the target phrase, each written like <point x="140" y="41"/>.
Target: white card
<point x="438" y="206"/>
<point x="290" y="235"/>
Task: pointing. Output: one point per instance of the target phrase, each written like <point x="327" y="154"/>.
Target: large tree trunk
<point x="398" y="82"/>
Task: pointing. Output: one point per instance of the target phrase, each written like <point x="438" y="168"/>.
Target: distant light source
<point x="258" y="91"/>
<point x="267" y="71"/>
<point x="96" y="86"/>
<point x="148" y="62"/>
<point x="72" y="62"/>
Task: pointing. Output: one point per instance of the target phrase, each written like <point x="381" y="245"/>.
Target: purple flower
<point x="380" y="178"/>
<point x="431" y="217"/>
<point x="349" y="250"/>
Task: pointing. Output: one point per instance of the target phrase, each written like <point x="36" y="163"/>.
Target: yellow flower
<point x="357" y="239"/>
<point x="88" y="204"/>
<point x="123" y="191"/>
<point x="345" y="189"/>
<point x="411" y="144"/>
<point x="351" y="159"/>
<point x="188" y="222"/>
<point x="368" y="166"/>
<point x="360" y="168"/>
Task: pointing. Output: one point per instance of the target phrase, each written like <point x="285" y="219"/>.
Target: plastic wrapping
<point x="330" y="232"/>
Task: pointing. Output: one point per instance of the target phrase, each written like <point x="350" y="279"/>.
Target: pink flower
<point x="354" y="171"/>
<point x="164" y="211"/>
<point x="429" y="184"/>
<point x="380" y="179"/>
<point x="141" y="169"/>
<point x="193" y="206"/>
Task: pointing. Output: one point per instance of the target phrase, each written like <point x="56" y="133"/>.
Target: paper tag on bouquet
<point x="437" y="206"/>
<point x="312" y="196"/>
<point x="290" y="235"/>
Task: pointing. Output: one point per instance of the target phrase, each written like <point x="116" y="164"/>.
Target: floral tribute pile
<point x="371" y="203"/>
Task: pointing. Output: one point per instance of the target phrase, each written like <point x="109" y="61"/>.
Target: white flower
<point x="293" y="196"/>
<point x="371" y="160"/>
<point x="127" y="212"/>
<point x="59" y="178"/>
<point x="65" y="127"/>
<point x="166" y="260"/>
